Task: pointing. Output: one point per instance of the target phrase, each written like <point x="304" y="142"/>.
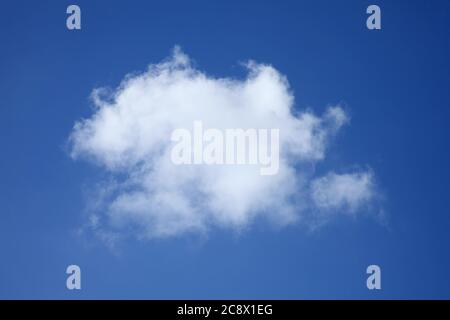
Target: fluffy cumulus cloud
<point x="129" y="136"/>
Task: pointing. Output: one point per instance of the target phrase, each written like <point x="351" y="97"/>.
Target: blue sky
<point x="394" y="83"/>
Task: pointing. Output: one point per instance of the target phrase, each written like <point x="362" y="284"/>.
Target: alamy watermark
<point x="73" y="22"/>
<point x="373" y="22"/>
<point x="234" y="146"/>
<point x="73" y="281"/>
<point x="374" y="280"/>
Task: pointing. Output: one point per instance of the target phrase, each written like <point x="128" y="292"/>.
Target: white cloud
<point x="343" y="191"/>
<point x="129" y="135"/>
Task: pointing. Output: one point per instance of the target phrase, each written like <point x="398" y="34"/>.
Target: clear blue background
<point x="395" y="83"/>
